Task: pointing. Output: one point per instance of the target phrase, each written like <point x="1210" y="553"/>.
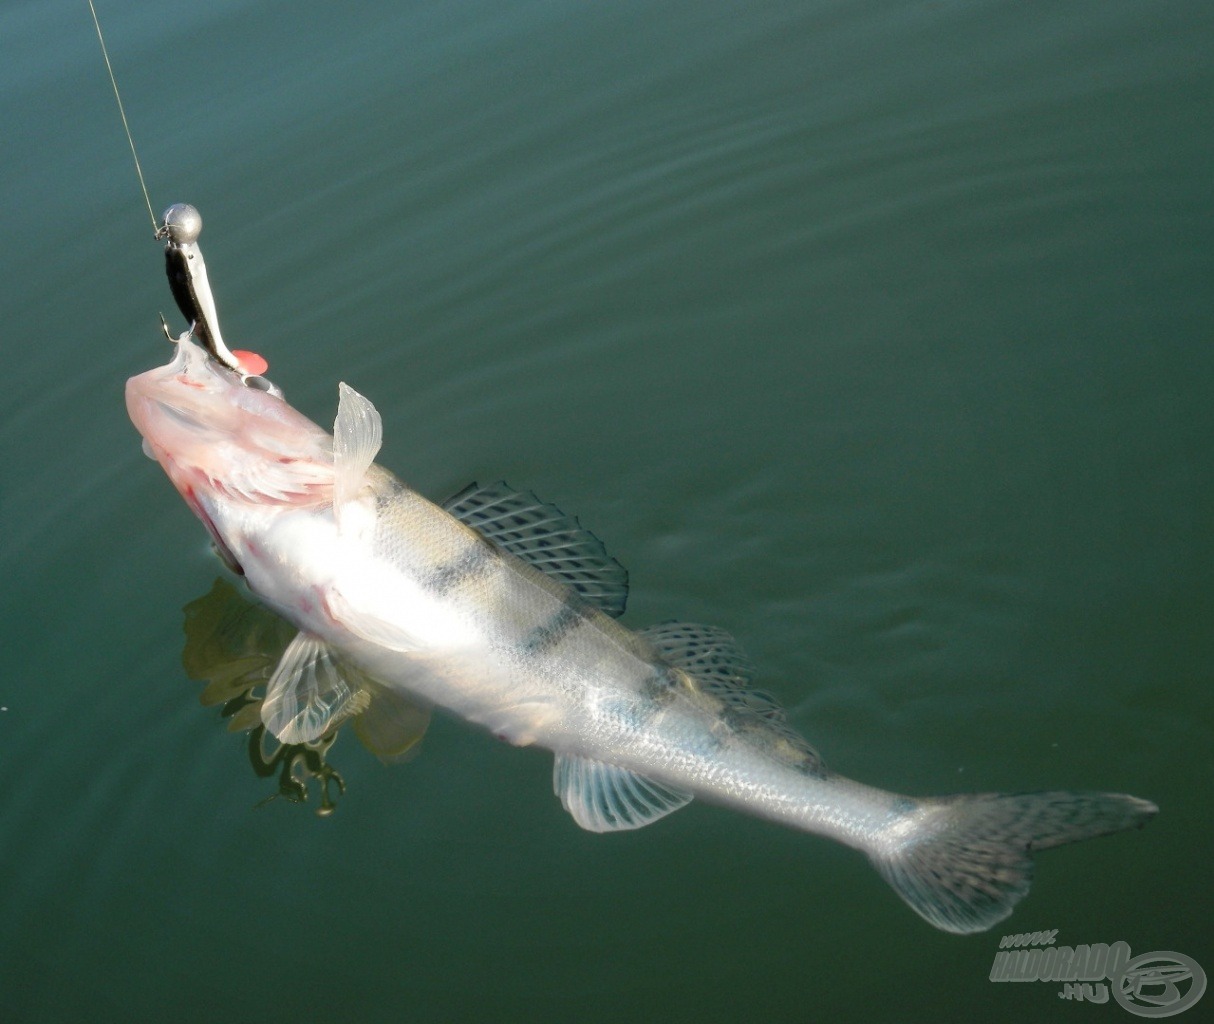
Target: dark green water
<point x="881" y="334"/>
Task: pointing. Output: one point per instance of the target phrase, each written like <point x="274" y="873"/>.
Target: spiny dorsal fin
<point x="712" y="657"/>
<point x="308" y="691"/>
<point x="542" y="535"/>
<point x="604" y="798"/>
<point x="357" y="435"/>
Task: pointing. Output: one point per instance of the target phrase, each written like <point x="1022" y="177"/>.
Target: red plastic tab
<point x="250" y="362"/>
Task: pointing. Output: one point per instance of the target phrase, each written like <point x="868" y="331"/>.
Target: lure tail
<point x="963" y="862"/>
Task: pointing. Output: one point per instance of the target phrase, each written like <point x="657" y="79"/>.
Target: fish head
<point x="224" y="438"/>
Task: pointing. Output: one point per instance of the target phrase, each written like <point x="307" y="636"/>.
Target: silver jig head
<point x="187" y="273"/>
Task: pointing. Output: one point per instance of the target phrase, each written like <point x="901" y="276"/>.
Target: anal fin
<point x="604" y="798"/>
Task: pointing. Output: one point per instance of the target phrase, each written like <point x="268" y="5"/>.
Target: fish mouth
<point x="180" y="416"/>
<point x="166" y="425"/>
<point x="183" y="402"/>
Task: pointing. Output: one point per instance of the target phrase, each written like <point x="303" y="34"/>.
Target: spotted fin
<point x="308" y="692"/>
<point x="545" y="537"/>
<point x="357" y="436"/>
<point x="963" y="862"/>
<point x="604" y="798"/>
<point x="712" y="657"/>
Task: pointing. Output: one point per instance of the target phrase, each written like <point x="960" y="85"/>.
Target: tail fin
<point x="963" y="862"/>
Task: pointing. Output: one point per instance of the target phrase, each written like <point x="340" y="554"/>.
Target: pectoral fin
<point x="308" y="691"/>
<point x="604" y="798"/>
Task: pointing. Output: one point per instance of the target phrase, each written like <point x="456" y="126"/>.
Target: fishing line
<point x="122" y="114"/>
<point x="183" y="260"/>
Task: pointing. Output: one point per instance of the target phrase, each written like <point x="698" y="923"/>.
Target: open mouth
<point x="181" y="417"/>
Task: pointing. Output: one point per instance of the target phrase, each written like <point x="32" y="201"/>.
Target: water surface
<point x="879" y="334"/>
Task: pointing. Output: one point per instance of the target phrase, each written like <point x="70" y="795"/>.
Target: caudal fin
<point x="963" y="862"/>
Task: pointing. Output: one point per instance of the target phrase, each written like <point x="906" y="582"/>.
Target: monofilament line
<point x="122" y="114"/>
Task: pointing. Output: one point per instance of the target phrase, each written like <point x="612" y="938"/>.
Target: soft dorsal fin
<point x="712" y="657"/>
<point x="542" y="535"/>
<point x="357" y="434"/>
<point x="708" y="653"/>
<point x="308" y="691"/>
<point x="604" y="798"/>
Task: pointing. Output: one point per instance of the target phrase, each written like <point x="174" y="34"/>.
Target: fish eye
<point x="258" y="383"/>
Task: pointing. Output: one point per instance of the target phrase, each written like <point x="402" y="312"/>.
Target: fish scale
<point x="501" y="610"/>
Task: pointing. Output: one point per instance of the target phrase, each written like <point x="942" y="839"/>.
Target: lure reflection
<point x="233" y="645"/>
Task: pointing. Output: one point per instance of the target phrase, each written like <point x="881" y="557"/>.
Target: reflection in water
<point x="233" y="645"/>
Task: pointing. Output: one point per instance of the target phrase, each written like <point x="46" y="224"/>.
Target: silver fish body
<point x="500" y="610"/>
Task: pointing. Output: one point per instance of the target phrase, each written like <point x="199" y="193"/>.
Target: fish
<point x="498" y="608"/>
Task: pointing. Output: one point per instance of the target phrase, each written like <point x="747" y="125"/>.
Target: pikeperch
<point x="502" y="610"/>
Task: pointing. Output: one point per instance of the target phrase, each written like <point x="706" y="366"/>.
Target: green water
<point x="881" y="334"/>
